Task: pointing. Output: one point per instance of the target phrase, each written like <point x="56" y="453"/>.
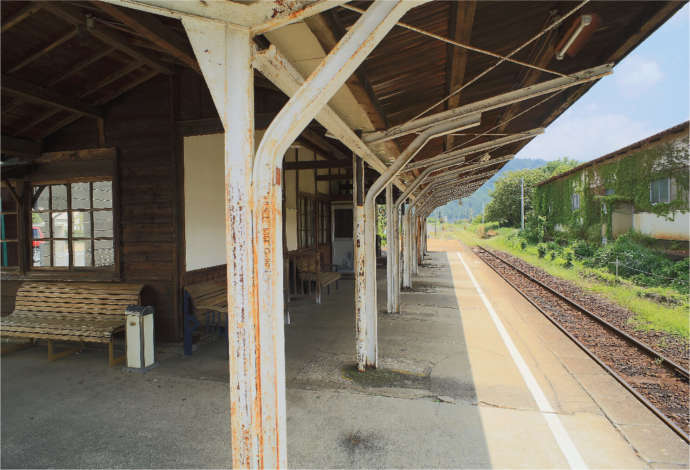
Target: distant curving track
<point x="656" y="381"/>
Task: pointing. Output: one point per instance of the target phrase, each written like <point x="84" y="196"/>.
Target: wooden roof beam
<point x="111" y="38"/>
<point x="460" y="27"/>
<point x="44" y="50"/>
<point x="326" y="148"/>
<point x="154" y="30"/>
<point x="21" y="15"/>
<point x="542" y="54"/>
<point x="328" y="30"/>
<point x="318" y="164"/>
<point x="22" y="148"/>
<point x="37" y="94"/>
<point x="81" y="65"/>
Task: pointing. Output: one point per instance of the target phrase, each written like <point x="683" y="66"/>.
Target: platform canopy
<point x="65" y="61"/>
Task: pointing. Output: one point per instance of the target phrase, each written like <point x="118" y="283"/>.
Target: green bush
<point x="541" y="250"/>
<point x="568" y="259"/>
<point x="582" y="249"/>
<point x="642" y="264"/>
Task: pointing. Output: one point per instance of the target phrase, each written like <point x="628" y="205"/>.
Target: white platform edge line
<point x="557" y="429"/>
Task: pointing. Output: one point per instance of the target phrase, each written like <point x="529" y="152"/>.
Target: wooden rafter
<point x="37" y="94"/>
<point x="321" y="144"/>
<point x="44" y="50"/>
<point x="111" y="38"/>
<point x="21" y="15"/>
<point x="460" y="29"/>
<point x="124" y="89"/>
<point x="328" y="30"/>
<point x="81" y="65"/>
<point x="154" y="30"/>
<point x="116" y="75"/>
<point x="21" y="148"/>
<point x="318" y="164"/>
<point x="37" y="120"/>
<point x="542" y="54"/>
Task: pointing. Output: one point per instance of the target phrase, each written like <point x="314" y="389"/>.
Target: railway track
<point x="656" y="381"/>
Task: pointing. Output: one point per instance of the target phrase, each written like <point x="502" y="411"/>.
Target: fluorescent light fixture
<point x="585" y="20"/>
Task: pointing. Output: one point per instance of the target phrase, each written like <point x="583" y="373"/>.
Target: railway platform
<point x="461" y="385"/>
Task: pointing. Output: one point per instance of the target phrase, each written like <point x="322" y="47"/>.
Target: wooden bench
<point x="310" y="269"/>
<point x="204" y="303"/>
<point x="81" y="312"/>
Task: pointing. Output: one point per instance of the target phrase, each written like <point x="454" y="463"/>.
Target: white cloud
<point x="586" y="136"/>
<point x="636" y="75"/>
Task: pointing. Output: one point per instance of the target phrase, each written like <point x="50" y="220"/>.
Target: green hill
<point x="472" y="205"/>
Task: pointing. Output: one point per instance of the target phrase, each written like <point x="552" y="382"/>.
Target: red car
<point x="37" y="233"/>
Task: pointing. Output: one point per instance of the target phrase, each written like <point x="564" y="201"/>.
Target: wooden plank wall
<point x="142" y="126"/>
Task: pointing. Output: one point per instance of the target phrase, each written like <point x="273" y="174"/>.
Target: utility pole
<point x="522" y="203"/>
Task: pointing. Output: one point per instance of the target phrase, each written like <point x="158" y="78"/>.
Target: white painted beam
<point x="494" y="102"/>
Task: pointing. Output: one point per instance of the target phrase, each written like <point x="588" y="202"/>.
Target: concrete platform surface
<point x="449" y="392"/>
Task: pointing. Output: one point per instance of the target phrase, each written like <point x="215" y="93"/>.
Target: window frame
<point x="17" y="221"/>
<point x="667" y="180"/>
<point x="321" y="210"/>
<point x="324" y="222"/>
<point x="575" y="197"/>
<point x="70" y="239"/>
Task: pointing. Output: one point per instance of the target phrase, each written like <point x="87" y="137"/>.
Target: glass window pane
<point x="81" y="253"/>
<point x="61" y="255"/>
<point x="40" y="252"/>
<point x="81" y="199"/>
<point x="40" y="225"/>
<point x="42" y="203"/>
<point x="59" y="197"/>
<point x="103" y="224"/>
<point x="60" y="222"/>
<point x="81" y="224"/>
<point x="104" y="252"/>
<point x="9" y="254"/>
<point x="103" y="195"/>
<point x="664" y="190"/>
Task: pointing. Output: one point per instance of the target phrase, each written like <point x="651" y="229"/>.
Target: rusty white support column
<point x="302" y="107"/>
<point x="413" y="244"/>
<point x="459" y="123"/>
<point x="224" y="55"/>
<point x="389" y="247"/>
<point x="359" y="240"/>
<point x="395" y="247"/>
<point x="406" y="276"/>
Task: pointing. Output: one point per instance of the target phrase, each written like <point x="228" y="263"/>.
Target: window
<point x="575" y="201"/>
<point x="305" y="228"/>
<point x="324" y="222"/>
<point x="72" y="225"/>
<point x="9" y="252"/>
<point x="660" y="191"/>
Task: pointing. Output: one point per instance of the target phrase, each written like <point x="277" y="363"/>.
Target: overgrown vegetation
<point x="504" y="207"/>
<point x="603" y="188"/>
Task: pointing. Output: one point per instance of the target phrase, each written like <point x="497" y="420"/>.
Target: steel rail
<point x="674" y="367"/>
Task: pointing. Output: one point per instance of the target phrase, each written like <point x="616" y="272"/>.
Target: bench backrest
<point x="77" y="298"/>
<point x="308" y="261"/>
<point x="208" y="292"/>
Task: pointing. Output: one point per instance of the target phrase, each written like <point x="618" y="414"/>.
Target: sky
<point x="647" y="93"/>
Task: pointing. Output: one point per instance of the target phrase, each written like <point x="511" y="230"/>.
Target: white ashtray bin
<point x="141" y="350"/>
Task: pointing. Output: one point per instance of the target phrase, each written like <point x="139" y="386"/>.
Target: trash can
<point x="141" y="351"/>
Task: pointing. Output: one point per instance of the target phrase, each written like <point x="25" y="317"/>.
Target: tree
<point x="504" y="207"/>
